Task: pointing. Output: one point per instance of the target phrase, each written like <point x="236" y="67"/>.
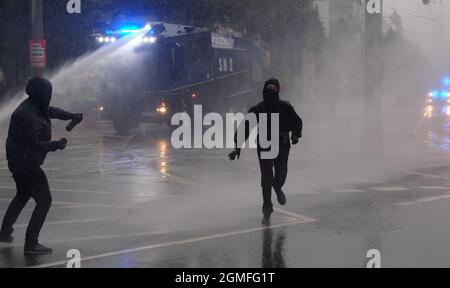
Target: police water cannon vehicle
<point x="180" y="66"/>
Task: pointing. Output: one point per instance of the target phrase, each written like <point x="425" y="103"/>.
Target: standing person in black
<point x="274" y="171"/>
<point x="29" y="141"/>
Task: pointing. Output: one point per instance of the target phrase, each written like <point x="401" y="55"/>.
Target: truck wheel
<point x="124" y="118"/>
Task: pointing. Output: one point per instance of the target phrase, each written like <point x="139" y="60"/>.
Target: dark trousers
<point x="32" y="184"/>
<point x="273" y="174"/>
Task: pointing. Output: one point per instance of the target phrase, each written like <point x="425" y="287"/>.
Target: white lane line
<point x="347" y="190"/>
<point x="71" y="181"/>
<point x="171" y="244"/>
<point x="183" y="180"/>
<point x="77" y="204"/>
<point x="425" y="200"/>
<point x="432" y="188"/>
<point x="99" y="237"/>
<point x="300" y="217"/>
<point x="52" y="208"/>
<point x="86" y="192"/>
<point x="305" y="193"/>
<point x="94" y="182"/>
<point x="53" y="202"/>
<point x="390" y="189"/>
<point x="73" y="221"/>
<point x="427" y="175"/>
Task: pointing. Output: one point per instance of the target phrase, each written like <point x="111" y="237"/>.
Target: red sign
<point x="38" y="53"/>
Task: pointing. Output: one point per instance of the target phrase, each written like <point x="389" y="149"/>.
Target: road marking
<point x="183" y="180"/>
<point x="99" y="237"/>
<point x="432" y="188"/>
<point x="347" y="190"/>
<point x="295" y="215"/>
<point x="78" y="204"/>
<point x="52" y="180"/>
<point x="425" y="200"/>
<point x="427" y="175"/>
<point x="86" y="192"/>
<point x="52" y="208"/>
<point x="71" y="181"/>
<point x="171" y="244"/>
<point x="305" y="193"/>
<point x="390" y="189"/>
<point x="73" y="221"/>
<point x="53" y="202"/>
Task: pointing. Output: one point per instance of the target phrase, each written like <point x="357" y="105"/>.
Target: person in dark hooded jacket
<point x="29" y="141"/>
<point x="274" y="171"/>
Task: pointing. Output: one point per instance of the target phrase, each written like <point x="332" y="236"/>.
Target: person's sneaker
<point x="6" y="238"/>
<point x="266" y="220"/>
<point x="267" y="212"/>
<point x="37" y="249"/>
<point x="281" y="197"/>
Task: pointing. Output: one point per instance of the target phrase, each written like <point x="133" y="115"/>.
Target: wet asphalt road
<point x="137" y="202"/>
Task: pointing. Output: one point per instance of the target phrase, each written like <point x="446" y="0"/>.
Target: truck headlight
<point x="162" y="109"/>
<point x="150" y="40"/>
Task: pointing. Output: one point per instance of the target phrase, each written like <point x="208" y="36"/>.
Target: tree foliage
<point x="14" y="36"/>
<point x="284" y="24"/>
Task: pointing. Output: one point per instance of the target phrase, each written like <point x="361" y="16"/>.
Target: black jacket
<point x="289" y="122"/>
<point x="30" y="135"/>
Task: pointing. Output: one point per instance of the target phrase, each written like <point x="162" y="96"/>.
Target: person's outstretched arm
<point x="56" y="113"/>
<point x="59" y="114"/>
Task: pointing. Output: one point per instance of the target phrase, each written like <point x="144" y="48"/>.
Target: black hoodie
<point x="30" y="130"/>
<point x="290" y="122"/>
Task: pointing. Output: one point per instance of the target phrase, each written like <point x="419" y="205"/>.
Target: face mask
<point x="42" y="99"/>
<point x="271" y="97"/>
<point x="46" y="99"/>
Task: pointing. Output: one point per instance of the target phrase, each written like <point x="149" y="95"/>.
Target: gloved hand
<point x="58" y="145"/>
<point x="236" y="153"/>
<point x="62" y="144"/>
<point x="295" y="140"/>
<point x="76" y="119"/>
